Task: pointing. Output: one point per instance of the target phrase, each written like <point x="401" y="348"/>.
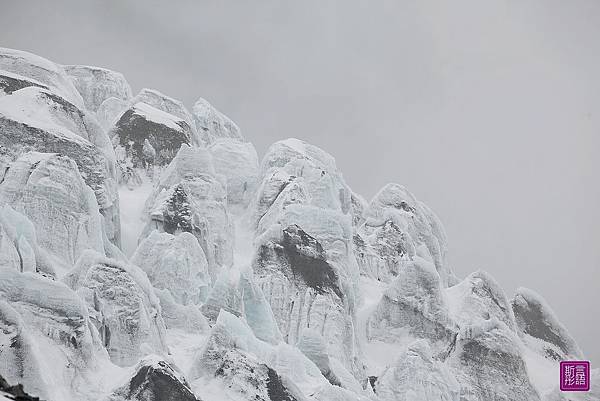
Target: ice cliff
<point x="147" y="253"/>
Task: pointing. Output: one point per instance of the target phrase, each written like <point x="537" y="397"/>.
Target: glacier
<point x="148" y="253"/>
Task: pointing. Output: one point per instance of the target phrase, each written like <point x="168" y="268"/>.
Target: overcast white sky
<point x="486" y="110"/>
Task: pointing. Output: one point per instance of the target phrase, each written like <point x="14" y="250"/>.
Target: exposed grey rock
<point x="165" y="132"/>
<point x="536" y="319"/>
<point x="155" y="380"/>
<point x="488" y="364"/>
<point x="41" y="70"/>
<point x="10" y="82"/>
<point x="169" y="105"/>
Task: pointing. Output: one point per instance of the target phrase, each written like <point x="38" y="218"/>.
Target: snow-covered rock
<point x="413" y="306"/>
<point x="535" y="319"/>
<point x="479" y="297"/>
<point x="238" y="163"/>
<point x="10" y="82"/>
<point x="41" y="70"/>
<point x="175" y="263"/>
<point x="154" y="379"/>
<point x="244" y="367"/>
<point x="11" y="392"/>
<point x="97" y="84"/>
<point x="488" y="364"/>
<point x="304" y="261"/>
<point x="397" y="227"/>
<point x="304" y="290"/>
<point x="212" y="124"/>
<point x="188" y="198"/>
<point x="122" y="305"/>
<point x="36" y="119"/>
<point x="48" y="189"/>
<point x="169" y="105"/>
<point x="165" y="132"/>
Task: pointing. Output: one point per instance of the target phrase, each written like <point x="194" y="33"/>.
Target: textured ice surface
<point x="35" y="119"/>
<point x="42" y="70"/>
<point x="397" y="226"/>
<point x="212" y="124"/>
<point x="238" y="163"/>
<point x="50" y="192"/>
<point x="175" y="263"/>
<point x="46" y="339"/>
<point x="413" y="306"/>
<point x="122" y="305"/>
<point x="188" y="198"/>
<point x="271" y="281"/>
<point x="417" y="375"/>
<point x="97" y="84"/>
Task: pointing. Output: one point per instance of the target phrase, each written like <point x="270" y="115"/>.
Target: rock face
<point x="122" y="306"/>
<point x="35" y="119"/>
<point x="50" y="192"/>
<point x="212" y="124"/>
<point x="188" y="198"/>
<point x="535" y="319"/>
<point x="164" y="132"/>
<point x="155" y="379"/>
<point x="97" y="84"/>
